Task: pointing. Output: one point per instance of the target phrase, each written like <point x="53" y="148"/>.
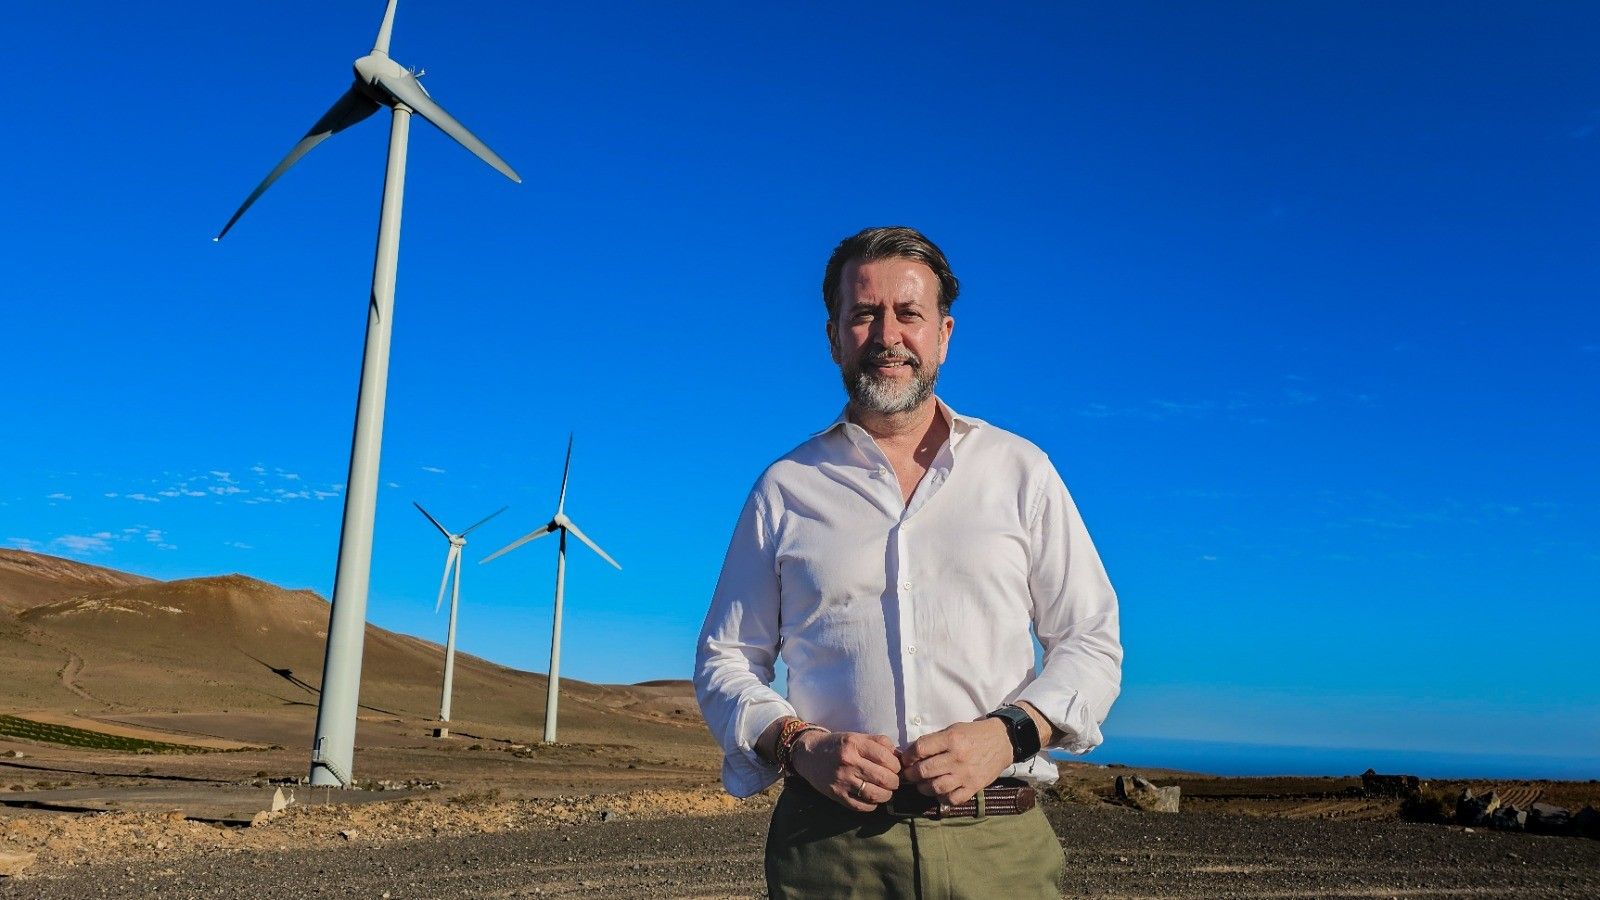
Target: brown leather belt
<point x="1006" y="797"/>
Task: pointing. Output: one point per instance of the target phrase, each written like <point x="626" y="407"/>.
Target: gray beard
<point x="881" y="396"/>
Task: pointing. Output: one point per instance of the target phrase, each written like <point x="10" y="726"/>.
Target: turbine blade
<point x="408" y="90"/>
<point x="573" y="527"/>
<point x="381" y="45"/>
<point x="449" y="560"/>
<point x="346" y="111"/>
<point x="561" y="505"/>
<point x="485" y="519"/>
<point x="530" y="536"/>
<point x="442" y="530"/>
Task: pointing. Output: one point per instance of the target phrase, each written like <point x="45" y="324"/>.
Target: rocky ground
<point x="670" y="847"/>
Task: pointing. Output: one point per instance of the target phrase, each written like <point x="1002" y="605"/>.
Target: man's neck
<point x="909" y="430"/>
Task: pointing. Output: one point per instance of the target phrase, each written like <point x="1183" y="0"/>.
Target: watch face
<point x="1021" y="729"/>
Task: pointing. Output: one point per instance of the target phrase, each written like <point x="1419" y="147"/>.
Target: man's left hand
<point x="956" y="763"/>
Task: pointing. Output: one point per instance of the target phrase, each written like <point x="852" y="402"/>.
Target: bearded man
<point x="901" y="561"/>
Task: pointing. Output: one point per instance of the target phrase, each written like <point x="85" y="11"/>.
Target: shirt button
<point x="906" y="585"/>
<point x="912" y="649"/>
<point x="916" y="720"/>
<point x="882" y="471"/>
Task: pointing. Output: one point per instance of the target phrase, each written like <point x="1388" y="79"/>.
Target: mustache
<point x="884" y="355"/>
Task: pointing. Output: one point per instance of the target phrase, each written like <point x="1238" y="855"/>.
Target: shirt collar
<point x="959" y="424"/>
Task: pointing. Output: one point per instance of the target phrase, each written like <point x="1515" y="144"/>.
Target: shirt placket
<point x="917" y="721"/>
<point x="912" y="652"/>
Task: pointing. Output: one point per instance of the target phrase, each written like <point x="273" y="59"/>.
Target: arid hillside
<point x="87" y="641"/>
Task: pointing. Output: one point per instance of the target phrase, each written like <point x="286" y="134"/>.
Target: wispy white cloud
<point x="27" y="544"/>
<point x="59" y="496"/>
<point x="259" y="470"/>
<point x="434" y="469"/>
<point x="144" y="498"/>
<point x="158" y="537"/>
<point x="87" y="544"/>
<point x="239" y="545"/>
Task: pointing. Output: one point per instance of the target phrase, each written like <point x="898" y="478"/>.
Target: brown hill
<point x="104" y="643"/>
<point x="28" y="579"/>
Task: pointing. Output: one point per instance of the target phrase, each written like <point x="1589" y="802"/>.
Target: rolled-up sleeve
<point x="1075" y="618"/>
<point x="736" y="653"/>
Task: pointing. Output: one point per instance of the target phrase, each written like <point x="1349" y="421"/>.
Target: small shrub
<point x="475" y="798"/>
<point x="1432" y="805"/>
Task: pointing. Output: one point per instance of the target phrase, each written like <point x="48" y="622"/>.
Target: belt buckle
<point x="925" y="807"/>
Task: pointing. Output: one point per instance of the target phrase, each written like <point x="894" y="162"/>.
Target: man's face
<point x="888" y="336"/>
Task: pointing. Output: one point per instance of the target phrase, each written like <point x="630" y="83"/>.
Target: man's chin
<point x="886" y="396"/>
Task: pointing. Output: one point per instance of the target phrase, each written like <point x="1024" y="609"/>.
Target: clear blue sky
<point x="1300" y="299"/>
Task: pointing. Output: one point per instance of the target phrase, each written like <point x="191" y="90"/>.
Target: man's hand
<point x="856" y="770"/>
<point x="957" y="762"/>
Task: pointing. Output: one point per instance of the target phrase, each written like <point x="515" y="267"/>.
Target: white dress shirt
<point x="901" y="618"/>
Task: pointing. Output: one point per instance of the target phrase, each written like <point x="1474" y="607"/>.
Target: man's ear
<point x="833" y="341"/>
<point x="946" y="328"/>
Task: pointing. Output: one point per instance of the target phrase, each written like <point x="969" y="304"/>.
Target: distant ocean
<point x="1219" y="758"/>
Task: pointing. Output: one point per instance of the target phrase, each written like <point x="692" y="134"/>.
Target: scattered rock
<point x="14" y="754"/>
<point x="348" y="834"/>
<point x="1140" y="793"/>
<point x="280" y="802"/>
<point x="1547" y="819"/>
<point x="14" y="863"/>
<point x="1471" y="810"/>
<point x="1509" y="818"/>
<point x="607" y="815"/>
<point x="1375" y="785"/>
<point x="1586" y="822"/>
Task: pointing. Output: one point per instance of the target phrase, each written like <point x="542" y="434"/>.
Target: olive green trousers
<point x="817" y="848"/>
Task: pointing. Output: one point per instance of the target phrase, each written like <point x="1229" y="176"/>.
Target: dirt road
<point x="1110" y="852"/>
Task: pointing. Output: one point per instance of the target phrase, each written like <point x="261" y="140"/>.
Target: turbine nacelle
<point x="373" y="69"/>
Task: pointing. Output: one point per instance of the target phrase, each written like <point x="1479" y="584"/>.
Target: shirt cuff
<point x="1071" y="713"/>
<point x="744" y="772"/>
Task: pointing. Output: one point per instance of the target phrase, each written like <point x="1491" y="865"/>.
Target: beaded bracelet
<point x="787" y="737"/>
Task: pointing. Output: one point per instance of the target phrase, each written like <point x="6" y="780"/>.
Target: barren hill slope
<point x="105" y="643"/>
<point x="28" y="579"/>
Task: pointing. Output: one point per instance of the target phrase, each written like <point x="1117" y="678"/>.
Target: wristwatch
<point x="1022" y="730"/>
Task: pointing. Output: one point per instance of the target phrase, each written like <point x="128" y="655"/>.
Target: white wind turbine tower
<point x="451" y="560"/>
<point x="380" y="81"/>
<point x="563" y="525"/>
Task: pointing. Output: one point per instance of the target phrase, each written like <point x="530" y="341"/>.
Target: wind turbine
<point x="380" y="81"/>
<point x="563" y="525"/>
<point x="451" y="560"/>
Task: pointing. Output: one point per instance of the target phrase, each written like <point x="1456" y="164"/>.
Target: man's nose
<point x="886" y="331"/>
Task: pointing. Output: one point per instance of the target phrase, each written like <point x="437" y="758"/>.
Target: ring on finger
<point x="857" y="792"/>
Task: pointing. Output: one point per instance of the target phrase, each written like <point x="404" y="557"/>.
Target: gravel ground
<point x="1110" y="852"/>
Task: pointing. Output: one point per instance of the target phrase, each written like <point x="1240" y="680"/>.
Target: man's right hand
<point x="856" y="770"/>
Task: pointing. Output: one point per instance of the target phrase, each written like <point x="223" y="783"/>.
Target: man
<point x="900" y="560"/>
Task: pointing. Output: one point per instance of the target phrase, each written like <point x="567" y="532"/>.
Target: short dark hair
<point x="891" y="242"/>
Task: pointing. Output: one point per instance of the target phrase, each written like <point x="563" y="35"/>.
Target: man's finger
<point x="870" y="750"/>
<point x="948" y="788"/>
<point x="926" y="746"/>
<point x="928" y="769"/>
<point x="874" y="774"/>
